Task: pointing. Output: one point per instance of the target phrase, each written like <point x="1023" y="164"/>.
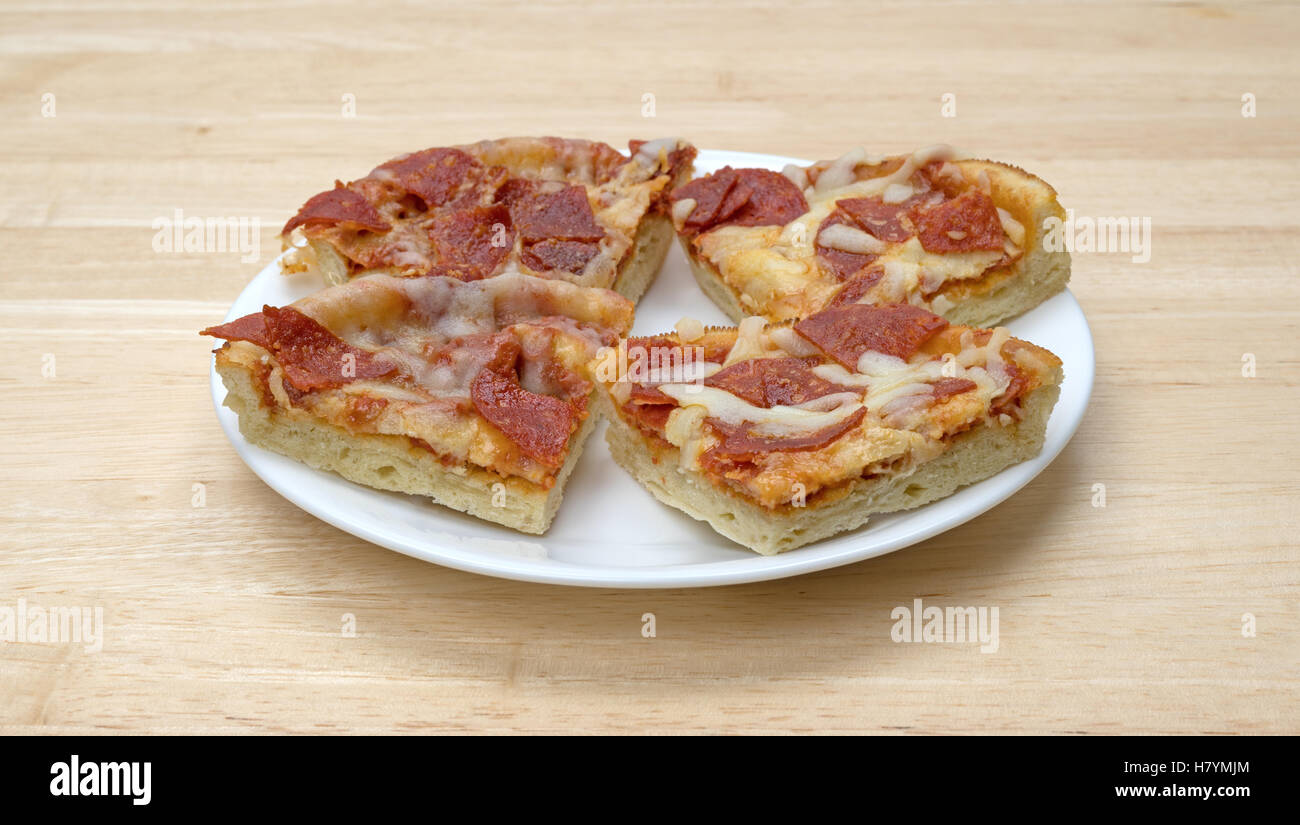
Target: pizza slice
<point x="573" y="210"/>
<point x="779" y="435"/>
<point x="474" y="394"/>
<point x="962" y="238"/>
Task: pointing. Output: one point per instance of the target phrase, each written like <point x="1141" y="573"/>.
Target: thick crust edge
<point x="391" y="462"/>
<point x="639" y="267"/>
<point x="973" y="456"/>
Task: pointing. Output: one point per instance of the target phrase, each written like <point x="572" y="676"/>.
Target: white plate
<point x="610" y="532"/>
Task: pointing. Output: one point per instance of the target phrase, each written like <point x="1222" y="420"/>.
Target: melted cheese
<point x="405" y="320"/>
<point x="619" y="205"/>
<point x="689" y="329"/>
<point x="897" y="193"/>
<point x="797" y="175"/>
<point x="653" y="153"/>
<point x="837" y="183"/>
<point x="682" y="210"/>
<point x="904" y="425"/>
<point x="851" y="239"/>
<point x="893" y="384"/>
<point x="750" y="341"/>
<point x="380" y="389"/>
<point x="791" y="342"/>
<point x="774" y="421"/>
<point x="775" y="271"/>
<point x="950" y="173"/>
<point x="841" y="171"/>
<point x="684" y="430"/>
<point x="1014" y="229"/>
<point x="680" y="372"/>
<point x="829" y="402"/>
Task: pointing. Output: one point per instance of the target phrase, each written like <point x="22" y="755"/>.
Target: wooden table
<point x="227" y="617"/>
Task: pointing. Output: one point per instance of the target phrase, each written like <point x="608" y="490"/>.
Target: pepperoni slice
<point x="558" y="228"/>
<point x="1006" y="402"/>
<point x="846" y="332"/>
<point x="742" y="197"/>
<point x="843" y="265"/>
<point x="886" y="221"/>
<point x="857" y="286"/>
<point x="662" y="348"/>
<point x="362" y="410"/>
<point x="642" y="394"/>
<point x="605" y="162"/>
<point x="775" y="200"/>
<point x="338" y="207"/>
<point x="553" y="253"/>
<point x="312" y="357"/>
<point x="513" y="190"/>
<point x="436" y="176"/>
<point x="651" y="418"/>
<point x="950" y="185"/>
<point x="471" y="243"/>
<point x="768" y="382"/>
<point x="946" y="388"/>
<point x="717" y="197"/>
<point x="251" y="328"/>
<point x="539" y="425"/>
<point x="739" y="442"/>
<point x="642" y="352"/>
<point x="649" y="408"/>
<point x="540" y="214"/>
<point x="967" y="223"/>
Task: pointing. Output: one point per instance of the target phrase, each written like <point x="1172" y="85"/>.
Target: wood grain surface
<point x="228" y="617"/>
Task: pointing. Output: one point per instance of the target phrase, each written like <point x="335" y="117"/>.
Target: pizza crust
<point x="391" y="462"/>
<point x="1034" y="277"/>
<point x="395" y="463"/>
<point x="712" y="284"/>
<point x="980" y="302"/>
<point x="973" y="456"/>
<point x="643" y="262"/>
<point x="638" y="229"/>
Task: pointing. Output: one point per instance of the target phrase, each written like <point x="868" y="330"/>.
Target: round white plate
<point x="610" y="532"/>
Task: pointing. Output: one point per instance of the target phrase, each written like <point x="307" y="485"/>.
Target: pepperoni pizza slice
<point x="573" y="210"/>
<point x="962" y="238"/>
<point x="474" y="394"/>
<point x="779" y="435"/>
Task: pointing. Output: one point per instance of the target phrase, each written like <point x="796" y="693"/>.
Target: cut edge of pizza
<point x="569" y="209"/>
<point x="473" y="394"/>
<point x="779" y="435"/>
<point x="963" y="238"/>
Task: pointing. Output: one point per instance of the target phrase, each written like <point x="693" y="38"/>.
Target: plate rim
<point x="743" y="570"/>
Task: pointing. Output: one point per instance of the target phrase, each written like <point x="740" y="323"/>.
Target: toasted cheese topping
<point x="689" y="329"/>
<point x="841" y="174"/>
<point x="931" y="241"/>
<point x="490" y="373"/>
<point x="730" y="409"/>
<point x="1014" y="229"/>
<point x="851" y="239"/>
<point x="884" y="413"/>
<point x="565" y="209"/>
